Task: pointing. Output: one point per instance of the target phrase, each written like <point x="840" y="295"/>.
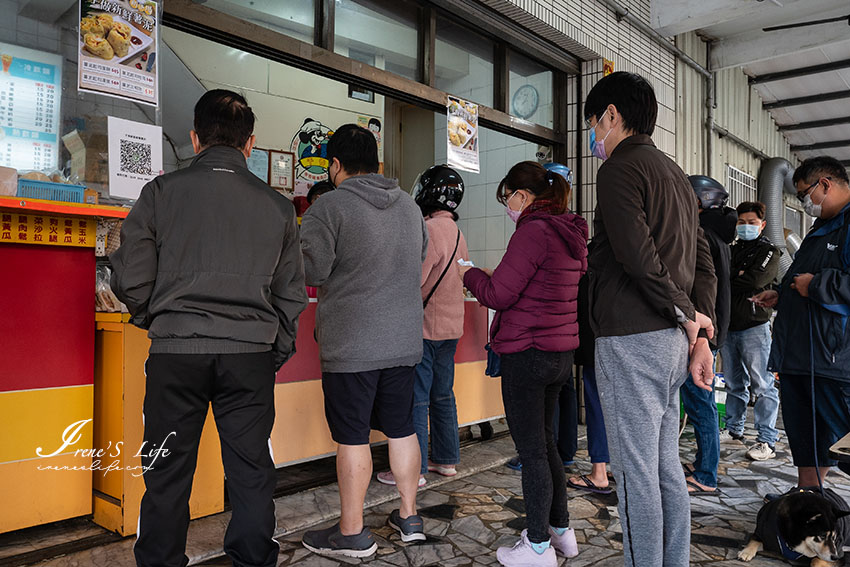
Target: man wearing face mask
<point x="652" y="287"/>
<point x="755" y="264"/>
<point x="811" y="339"/>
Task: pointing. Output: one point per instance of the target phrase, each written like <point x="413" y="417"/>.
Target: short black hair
<point x="355" y="148"/>
<point x="751" y="207"/>
<point x="821" y="166"/>
<point x="633" y="96"/>
<point x="319" y="188"/>
<point x="375" y="122"/>
<point x="223" y="118"/>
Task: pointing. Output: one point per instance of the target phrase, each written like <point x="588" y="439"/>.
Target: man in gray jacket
<point x="210" y="265"/>
<point x="363" y="248"/>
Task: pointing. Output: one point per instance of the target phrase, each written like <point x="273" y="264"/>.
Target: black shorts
<point x="357" y="402"/>
<point x="832" y="420"/>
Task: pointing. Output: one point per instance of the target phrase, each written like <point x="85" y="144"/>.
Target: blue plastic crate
<point x="50" y="191"/>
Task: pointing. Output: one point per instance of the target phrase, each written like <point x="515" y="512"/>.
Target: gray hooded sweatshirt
<point x="363" y="247"/>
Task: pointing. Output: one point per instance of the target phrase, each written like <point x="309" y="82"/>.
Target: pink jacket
<point x="444" y="313"/>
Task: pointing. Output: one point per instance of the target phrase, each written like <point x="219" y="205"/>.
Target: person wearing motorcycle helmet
<point x="438" y="191"/>
<point x="718" y="223"/>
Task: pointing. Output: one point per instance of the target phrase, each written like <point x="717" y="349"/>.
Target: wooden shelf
<point x="61" y="207"/>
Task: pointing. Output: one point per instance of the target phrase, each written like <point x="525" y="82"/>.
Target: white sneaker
<point x="523" y="555"/>
<point x="761" y="452"/>
<point x="388" y="478"/>
<point x="442" y="470"/>
<point x="727" y="436"/>
<point x="564" y="544"/>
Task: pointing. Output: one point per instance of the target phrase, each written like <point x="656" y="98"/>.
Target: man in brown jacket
<point x="651" y="284"/>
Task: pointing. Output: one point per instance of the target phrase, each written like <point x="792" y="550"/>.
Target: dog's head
<point x="809" y="524"/>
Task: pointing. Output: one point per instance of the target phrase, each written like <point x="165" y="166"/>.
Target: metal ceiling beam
<point x="800" y="72"/>
<point x="815" y="124"/>
<point x="810" y="99"/>
<point x="754" y="46"/>
<point x="821" y="146"/>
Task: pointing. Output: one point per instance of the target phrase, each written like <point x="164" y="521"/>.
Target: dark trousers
<point x="566" y="421"/>
<point x="531" y="385"/>
<point x="180" y="388"/>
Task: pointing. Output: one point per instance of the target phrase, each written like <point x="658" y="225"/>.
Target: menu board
<point x="118" y="43"/>
<point x="30" y="94"/>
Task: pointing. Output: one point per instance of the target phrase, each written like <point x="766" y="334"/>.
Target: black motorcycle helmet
<point x="711" y="194"/>
<point x="438" y="188"/>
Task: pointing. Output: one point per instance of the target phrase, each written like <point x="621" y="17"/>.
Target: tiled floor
<point x="467" y="520"/>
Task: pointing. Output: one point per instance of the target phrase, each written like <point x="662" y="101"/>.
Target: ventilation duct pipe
<point x="774" y="177"/>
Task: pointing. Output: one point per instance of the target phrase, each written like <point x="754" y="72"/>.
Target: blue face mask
<point x="747" y="231"/>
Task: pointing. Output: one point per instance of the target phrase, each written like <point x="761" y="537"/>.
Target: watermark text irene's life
<point x="72" y="435"/>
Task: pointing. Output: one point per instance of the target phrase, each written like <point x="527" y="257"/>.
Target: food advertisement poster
<point x="117" y="49"/>
<point x="30" y="92"/>
<point x="135" y="156"/>
<point x="462" y="139"/>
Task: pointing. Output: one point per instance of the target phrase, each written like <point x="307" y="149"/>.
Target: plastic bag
<point x="105" y="300"/>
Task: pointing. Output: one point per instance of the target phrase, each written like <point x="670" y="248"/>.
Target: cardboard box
<point x="89" y="149"/>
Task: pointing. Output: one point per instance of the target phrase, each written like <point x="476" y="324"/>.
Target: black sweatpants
<point x="531" y="385"/>
<point x="180" y="388"/>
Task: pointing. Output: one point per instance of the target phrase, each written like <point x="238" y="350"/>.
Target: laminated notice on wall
<point x="135" y="156"/>
<point x="462" y="135"/>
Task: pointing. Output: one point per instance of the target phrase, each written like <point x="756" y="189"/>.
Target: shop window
<point x="295" y="18"/>
<point x="531" y="90"/>
<point x="464" y="62"/>
<point x="383" y="29"/>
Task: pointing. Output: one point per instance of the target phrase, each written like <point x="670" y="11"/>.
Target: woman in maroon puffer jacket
<point x="534" y="291"/>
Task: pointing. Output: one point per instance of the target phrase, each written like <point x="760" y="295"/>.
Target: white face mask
<point x="811" y="209"/>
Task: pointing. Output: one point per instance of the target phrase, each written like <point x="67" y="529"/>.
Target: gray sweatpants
<point x="639" y="378"/>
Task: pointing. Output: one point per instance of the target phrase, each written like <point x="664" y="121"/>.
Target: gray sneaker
<point x="409" y="528"/>
<point x="761" y="452"/>
<point x="330" y="541"/>
<point x="727" y="436"/>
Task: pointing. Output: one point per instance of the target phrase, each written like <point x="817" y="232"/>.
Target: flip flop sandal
<point x="697" y="489"/>
<point x="589" y="486"/>
<point x="688" y="468"/>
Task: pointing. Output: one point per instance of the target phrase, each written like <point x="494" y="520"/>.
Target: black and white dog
<point x="804" y="527"/>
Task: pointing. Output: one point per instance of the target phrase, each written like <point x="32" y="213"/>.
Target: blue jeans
<point x="745" y="365"/>
<point x="701" y="408"/>
<point x="597" y="439"/>
<point x="435" y="378"/>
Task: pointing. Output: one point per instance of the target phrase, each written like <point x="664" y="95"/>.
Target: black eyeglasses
<point x="801" y="195"/>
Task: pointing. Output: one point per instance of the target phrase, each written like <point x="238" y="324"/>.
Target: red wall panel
<point x="46" y="316"/>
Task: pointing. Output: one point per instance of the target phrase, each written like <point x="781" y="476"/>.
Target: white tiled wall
<point x="597" y="33"/>
<point x="482" y="218"/>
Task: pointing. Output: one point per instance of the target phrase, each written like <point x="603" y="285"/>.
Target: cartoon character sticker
<point x="310" y="146"/>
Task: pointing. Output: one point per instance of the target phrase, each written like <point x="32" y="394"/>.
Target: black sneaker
<point x="409" y="528"/>
<point x="330" y="541"/>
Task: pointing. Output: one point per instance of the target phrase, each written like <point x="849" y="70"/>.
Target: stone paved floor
<point x="466" y="520"/>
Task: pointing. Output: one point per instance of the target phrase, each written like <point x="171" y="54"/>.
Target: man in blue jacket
<point x="811" y="339"/>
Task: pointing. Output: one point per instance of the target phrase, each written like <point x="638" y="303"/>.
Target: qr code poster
<point x="135" y="156"/>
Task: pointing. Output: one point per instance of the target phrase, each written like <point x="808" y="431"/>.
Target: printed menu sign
<point x="118" y="49"/>
<point x="47" y="229"/>
<point x="30" y="93"/>
<point x="462" y="135"/>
